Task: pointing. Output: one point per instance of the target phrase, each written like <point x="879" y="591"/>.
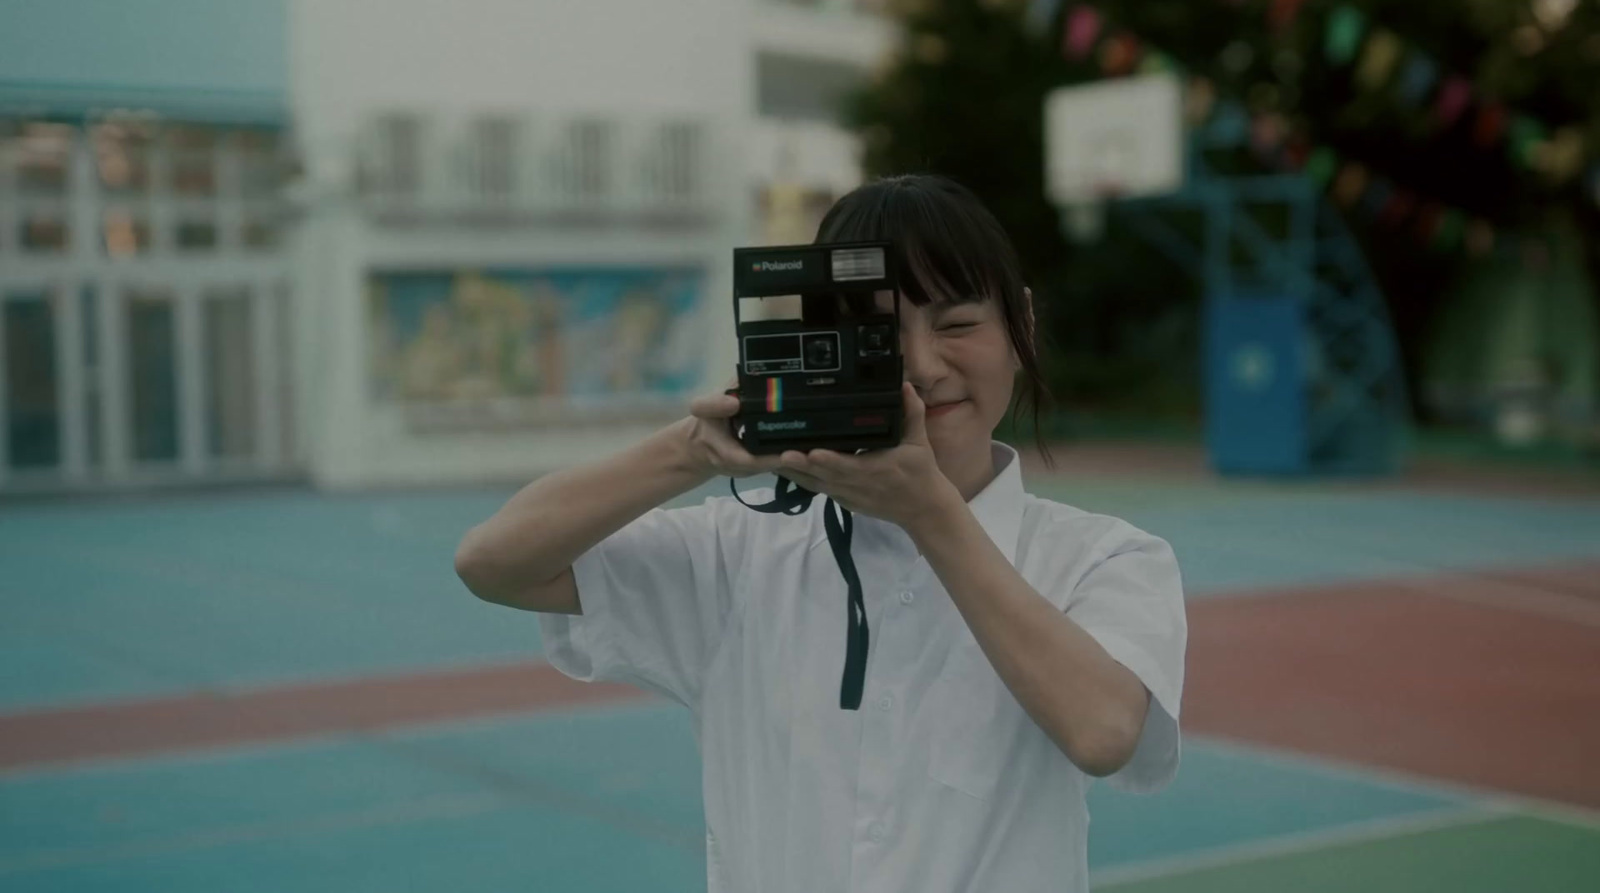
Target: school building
<point x="388" y="242"/>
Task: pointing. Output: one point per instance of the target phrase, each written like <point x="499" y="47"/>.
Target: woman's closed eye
<point x="956" y="325"/>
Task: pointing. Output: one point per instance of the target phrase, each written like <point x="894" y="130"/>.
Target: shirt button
<point x="876" y="832"/>
<point x="886" y="703"/>
<point x="907" y="597"/>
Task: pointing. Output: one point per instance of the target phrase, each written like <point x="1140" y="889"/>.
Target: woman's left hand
<point x="899" y="484"/>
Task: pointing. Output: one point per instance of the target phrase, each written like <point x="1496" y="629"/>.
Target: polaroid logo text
<point x="777" y="266"/>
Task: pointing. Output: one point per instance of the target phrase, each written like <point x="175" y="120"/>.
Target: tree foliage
<point x="964" y="96"/>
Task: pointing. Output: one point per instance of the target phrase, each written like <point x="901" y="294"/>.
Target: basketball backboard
<point x="1121" y="138"/>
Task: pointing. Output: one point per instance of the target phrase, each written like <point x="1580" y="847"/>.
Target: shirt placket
<point x="896" y="594"/>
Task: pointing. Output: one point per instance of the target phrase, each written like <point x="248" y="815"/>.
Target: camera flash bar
<point x="793" y="269"/>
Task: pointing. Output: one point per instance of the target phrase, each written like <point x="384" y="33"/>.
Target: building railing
<point x="519" y="167"/>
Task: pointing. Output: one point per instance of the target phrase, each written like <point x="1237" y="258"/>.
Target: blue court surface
<point x="108" y="603"/>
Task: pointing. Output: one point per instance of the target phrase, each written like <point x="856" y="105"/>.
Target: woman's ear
<point x="1027" y="309"/>
<point x="1027" y="319"/>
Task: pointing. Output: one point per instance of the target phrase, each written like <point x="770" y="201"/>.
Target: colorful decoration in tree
<point x="1083" y="28"/>
<point x="1343" y="36"/>
<point x="1381" y="60"/>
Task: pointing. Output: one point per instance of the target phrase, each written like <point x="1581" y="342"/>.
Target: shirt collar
<point x="998" y="508"/>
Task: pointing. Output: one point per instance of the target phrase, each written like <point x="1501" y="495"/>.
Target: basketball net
<point x="1084" y="221"/>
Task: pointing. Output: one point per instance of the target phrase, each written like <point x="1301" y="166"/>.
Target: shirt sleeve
<point x="1131" y="602"/>
<point x="656" y="596"/>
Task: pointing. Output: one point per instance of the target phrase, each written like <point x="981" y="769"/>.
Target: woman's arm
<point x="1092" y="706"/>
<point x="1089" y="704"/>
<point x="522" y="556"/>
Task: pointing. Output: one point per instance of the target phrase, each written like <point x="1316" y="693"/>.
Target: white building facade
<point x="501" y="244"/>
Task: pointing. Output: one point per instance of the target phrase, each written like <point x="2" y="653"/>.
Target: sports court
<point x="1391" y="687"/>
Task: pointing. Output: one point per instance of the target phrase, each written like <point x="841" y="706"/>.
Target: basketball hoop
<point x="1084" y="221"/>
<point x="1111" y="140"/>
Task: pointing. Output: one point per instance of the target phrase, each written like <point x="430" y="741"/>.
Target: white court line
<point x="1480" y="805"/>
<point x="1518" y="597"/>
<point x="1300" y="842"/>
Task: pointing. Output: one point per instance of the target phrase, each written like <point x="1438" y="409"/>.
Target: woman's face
<point x="960" y="359"/>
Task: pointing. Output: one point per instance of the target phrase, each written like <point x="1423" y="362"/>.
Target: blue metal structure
<point x="1302" y="368"/>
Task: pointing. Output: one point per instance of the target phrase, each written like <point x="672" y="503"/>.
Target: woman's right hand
<point x="712" y="447"/>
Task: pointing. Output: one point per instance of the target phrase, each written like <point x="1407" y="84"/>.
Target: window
<point x="153" y="376"/>
<point x="194" y="161"/>
<point x="261" y="233"/>
<point x="42" y="165"/>
<point x="803" y="89"/>
<point x="195" y="235"/>
<point x="33" y="422"/>
<point x="392" y="163"/>
<point x="43" y="232"/>
<point x="122" y="158"/>
<point x="125" y="233"/>
<point x="494" y="156"/>
<point x="44" y="159"/>
<point x="230" y="374"/>
<point x="88" y="312"/>
<point x="674" y="170"/>
<point x="262" y="167"/>
<point x="584" y="160"/>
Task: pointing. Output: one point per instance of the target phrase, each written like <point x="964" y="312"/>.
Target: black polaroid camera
<point x="819" y="366"/>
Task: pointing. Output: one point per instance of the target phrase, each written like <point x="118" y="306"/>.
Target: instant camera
<point x="819" y="365"/>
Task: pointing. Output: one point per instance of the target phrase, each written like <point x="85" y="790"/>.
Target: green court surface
<point x="1480" y="854"/>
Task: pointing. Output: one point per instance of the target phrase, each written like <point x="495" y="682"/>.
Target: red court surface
<point x="1488" y="680"/>
<point x="1492" y="681"/>
<point x="288" y="712"/>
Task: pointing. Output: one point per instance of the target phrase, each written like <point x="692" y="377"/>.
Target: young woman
<point x="1018" y="647"/>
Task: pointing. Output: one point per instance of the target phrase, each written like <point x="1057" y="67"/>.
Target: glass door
<point x="152" y="375"/>
<point x="32" y="384"/>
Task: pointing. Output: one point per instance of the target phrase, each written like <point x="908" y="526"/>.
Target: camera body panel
<point x="829" y="379"/>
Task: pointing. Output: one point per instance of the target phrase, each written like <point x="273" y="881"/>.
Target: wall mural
<point x="501" y="344"/>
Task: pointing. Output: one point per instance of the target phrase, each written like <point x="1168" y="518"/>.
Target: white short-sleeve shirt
<point x="941" y="781"/>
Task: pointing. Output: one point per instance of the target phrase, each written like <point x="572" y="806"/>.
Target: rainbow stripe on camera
<point x="774" y="395"/>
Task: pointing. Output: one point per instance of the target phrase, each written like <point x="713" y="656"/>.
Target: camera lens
<point x="819" y="353"/>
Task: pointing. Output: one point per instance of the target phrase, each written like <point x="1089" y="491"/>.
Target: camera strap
<point x="788" y="498"/>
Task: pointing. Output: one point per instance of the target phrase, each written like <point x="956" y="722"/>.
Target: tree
<point x="964" y="98"/>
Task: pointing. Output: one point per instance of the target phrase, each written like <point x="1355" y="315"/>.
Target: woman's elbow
<point x="474" y="564"/>
<point x="1107" y="747"/>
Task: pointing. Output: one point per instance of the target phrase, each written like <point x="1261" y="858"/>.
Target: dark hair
<point x="949" y="247"/>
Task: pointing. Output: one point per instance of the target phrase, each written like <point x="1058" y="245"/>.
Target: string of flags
<point x="1378" y="59"/>
<point x="1382" y="60"/>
